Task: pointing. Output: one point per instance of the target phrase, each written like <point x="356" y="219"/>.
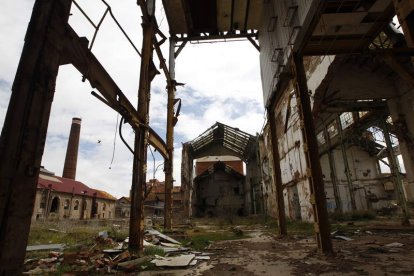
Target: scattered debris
<point x="176" y="261"/>
<point x="56" y="230"/>
<point x="133" y="264"/>
<point x="236" y="230"/>
<point x="161" y="236"/>
<point x="394" y="244"/>
<point x="103" y="234"/>
<point x="53" y="246"/>
<point x="339" y="235"/>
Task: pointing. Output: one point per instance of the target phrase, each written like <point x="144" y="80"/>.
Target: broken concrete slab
<point x="53" y="246"/>
<point x="177" y="261"/>
<point x="394" y="244"/>
<point x="132" y="264"/>
<point x="162" y="236"/>
<point x="338" y="237"/>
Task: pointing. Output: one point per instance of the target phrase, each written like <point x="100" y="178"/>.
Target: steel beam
<point x="24" y="131"/>
<point x="77" y="53"/>
<point x="139" y="171"/>
<point x="404" y="10"/>
<point x="318" y="198"/>
<point x="277" y="174"/>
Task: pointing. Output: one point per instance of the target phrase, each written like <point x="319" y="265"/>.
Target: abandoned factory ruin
<point x="320" y="182"/>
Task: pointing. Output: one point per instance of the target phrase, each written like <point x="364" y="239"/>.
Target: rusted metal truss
<point x="239" y="142"/>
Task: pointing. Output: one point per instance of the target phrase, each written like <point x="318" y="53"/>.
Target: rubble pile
<point x="109" y="256"/>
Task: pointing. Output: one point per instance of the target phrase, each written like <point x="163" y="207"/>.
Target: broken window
<point x="346" y="119"/>
<point x="332" y="129"/>
<point x="104" y="207"/>
<point x="76" y="205"/>
<point x="237" y="191"/>
<point x="321" y="138"/>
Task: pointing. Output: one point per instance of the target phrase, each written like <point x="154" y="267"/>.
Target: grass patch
<point x="299" y="227"/>
<point x="199" y="240"/>
<point x="153" y="250"/>
<point x="353" y="216"/>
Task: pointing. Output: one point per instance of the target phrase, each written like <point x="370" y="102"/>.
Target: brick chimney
<point x="69" y="169"/>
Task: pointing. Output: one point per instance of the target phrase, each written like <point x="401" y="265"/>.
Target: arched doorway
<point x="54" y="207"/>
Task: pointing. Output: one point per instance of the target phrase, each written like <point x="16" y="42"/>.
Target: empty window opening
<point x="332" y="129"/>
<point x="54" y="207"/>
<point x="76" y="205"/>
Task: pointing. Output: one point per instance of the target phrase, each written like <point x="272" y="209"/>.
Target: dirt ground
<point x="370" y="252"/>
<point x="248" y="246"/>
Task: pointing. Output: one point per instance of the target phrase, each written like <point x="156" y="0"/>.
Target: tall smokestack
<point x="69" y="170"/>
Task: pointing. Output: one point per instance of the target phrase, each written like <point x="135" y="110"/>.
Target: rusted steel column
<point x="71" y="159"/>
<point x="395" y="171"/>
<point x="277" y="174"/>
<point x="139" y="171"/>
<point x="404" y="10"/>
<point x="24" y="131"/>
<point x="314" y="171"/>
<point x="169" y="166"/>
<point x="333" y="174"/>
<point x="346" y="164"/>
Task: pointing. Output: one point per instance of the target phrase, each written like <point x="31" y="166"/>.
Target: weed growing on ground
<point x="153" y="250"/>
<point x="352" y="216"/>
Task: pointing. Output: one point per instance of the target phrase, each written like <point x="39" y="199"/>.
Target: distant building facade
<point x="154" y="200"/>
<point x="63" y="198"/>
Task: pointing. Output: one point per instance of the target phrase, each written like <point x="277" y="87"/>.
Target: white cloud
<point x="222" y="84"/>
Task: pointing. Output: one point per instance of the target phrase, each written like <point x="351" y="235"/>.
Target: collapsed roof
<point x="221" y="139"/>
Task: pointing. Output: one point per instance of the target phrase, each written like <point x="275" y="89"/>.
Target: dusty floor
<point x="265" y="254"/>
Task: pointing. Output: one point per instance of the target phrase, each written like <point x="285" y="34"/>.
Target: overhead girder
<point x="79" y="55"/>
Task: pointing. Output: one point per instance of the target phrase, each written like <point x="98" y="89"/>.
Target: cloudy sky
<point x="222" y="84"/>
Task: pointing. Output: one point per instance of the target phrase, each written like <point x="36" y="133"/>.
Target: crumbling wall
<point x="292" y="158"/>
<point x="219" y="194"/>
<point x="402" y="113"/>
<point x="187" y="180"/>
<point x="254" y="194"/>
<point x="371" y="188"/>
<point x="266" y="166"/>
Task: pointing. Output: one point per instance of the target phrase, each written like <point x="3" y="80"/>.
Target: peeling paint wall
<point x="369" y="183"/>
<point x="266" y="166"/>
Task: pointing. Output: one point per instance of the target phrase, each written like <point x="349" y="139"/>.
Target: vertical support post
<point x="139" y="170"/>
<point x="170" y="139"/>
<point x="318" y="198"/>
<point x="404" y="10"/>
<point x="346" y="163"/>
<point x="395" y="171"/>
<point x="277" y="174"/>
<point x="332" y="168"/>
<point x="24" y="132"/>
